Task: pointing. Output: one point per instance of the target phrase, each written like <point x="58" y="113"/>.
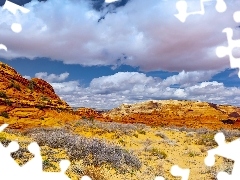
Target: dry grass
<point x="133" y="152"/>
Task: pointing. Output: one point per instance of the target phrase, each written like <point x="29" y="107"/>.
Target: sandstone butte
<point x="33" y="103"/>
<point x="192" y="114"/>
<point x="30" y="103"/>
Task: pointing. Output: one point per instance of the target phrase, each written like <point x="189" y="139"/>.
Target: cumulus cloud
<point x="27" y="77"/>
<point x="188" y="78"/>
<point x="107" y="92"/>
<point x="141" y="33"/>
<point x="52" y="77"/>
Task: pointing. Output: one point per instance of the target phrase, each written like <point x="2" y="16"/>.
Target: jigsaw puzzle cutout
<point x="222" y="51"/>
<point x="177" y="172"/>
<point x="110" y="1"/>
<point x="236" y="16"/>
<point x="33" y="169"/>
<point x="13" y="8"/>
<point x="228" y="150"/>
<point x="182" y="9"/>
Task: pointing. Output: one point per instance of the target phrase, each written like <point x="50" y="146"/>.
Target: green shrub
<point x="44" y="98"/>
<point x="17" y="86"/>
<point x="142" y="132"/>
<point x="136" y="135"/>
<point x="3" y="94"/>
<point x="40" y="106"/>
<point x="8" y="102"/>
<point x="157" y="152"/>
<point x="122" y="142"/>
<point x="206" y="140"/>
<point x="3" y="65"/>
<point x="191" y="154"/>
<point x="91" y="118"/>
<point x="14" y="85"/>
<point x="48" y="164"/>
<point x="31" y="85"/>
<point x="4" y="114"/>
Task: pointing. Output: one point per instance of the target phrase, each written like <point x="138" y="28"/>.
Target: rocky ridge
<point x="193" y="114"/>
<point x="26" y="103"/>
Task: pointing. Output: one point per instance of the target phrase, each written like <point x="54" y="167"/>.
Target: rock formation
<point x="192" y="114"/>
<point x="25" y="103"/>
<point x="88" y="113"/>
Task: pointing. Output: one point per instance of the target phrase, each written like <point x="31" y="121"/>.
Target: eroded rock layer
<point x="25" y="103"/>
<point x="192" y="114"/>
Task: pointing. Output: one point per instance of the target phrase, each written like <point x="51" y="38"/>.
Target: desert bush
<point x="3" y="65"/>
<point x="40" y="106"/>
<point x="48" y="164"/>
<point x="135" y="135"/>
<point x="202" y="131"/>
<point x="79" y="147"/>
<point x="141" y="132"/>
<point x="4" y="114"/>
<point x="3" y="94"/>
<point x="206" y="139"/>
<point x="192" y="154"/>
<point x="170" y="142"/>
<point x="44" y="98"/>
<point x="8" y="102"/>
<point x="162" y="135"/>
<point x="96" y="173"/>
<point x="229" y="134"/>
<point x="127" y="129"/>
<point x="14" y="85"/>
<point x="31" y="85"/>
<point x="190" y="134"/>
<point x="157" y="152"/>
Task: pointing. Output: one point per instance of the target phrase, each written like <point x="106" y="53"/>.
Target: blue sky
<point x="138" y="51"/>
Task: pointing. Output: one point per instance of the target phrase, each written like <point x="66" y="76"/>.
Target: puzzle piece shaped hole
<point x="236" y="52"/>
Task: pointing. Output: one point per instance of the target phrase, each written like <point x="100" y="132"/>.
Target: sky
<point x="100" y="55"/>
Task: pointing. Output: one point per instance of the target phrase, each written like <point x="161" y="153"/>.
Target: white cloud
<point x="66" y="87"/>
<point x="52" y="77"/>
<point x="188" y="78"/>
<point x="121" y="81"/>
<point x="129" y="87"/>
<point x="27" y="77"/>
<point x="141" y="33"/>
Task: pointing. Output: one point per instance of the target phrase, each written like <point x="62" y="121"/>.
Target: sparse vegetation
<point x="141" y="132"/>
<point x="40" y="106"/>
<point x="78" y="148"/>
<point x="47" y="164"/>
<point x="31" y="85"/>
<point x="8" y="102"/>
<point x="207" y="140"/>
<point x="3" y="95"/>
<point x="157" y="152"/>
<point x="135" y="135"/>
<point x="91" y="118"/>
<point x="127" y="129"/>
<point x="3" y="65"/>
<point x="44" y="98"/>
<point x="162" y="135"/>
<point x="4" y="114"/>
<point x="14" y="85"/>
